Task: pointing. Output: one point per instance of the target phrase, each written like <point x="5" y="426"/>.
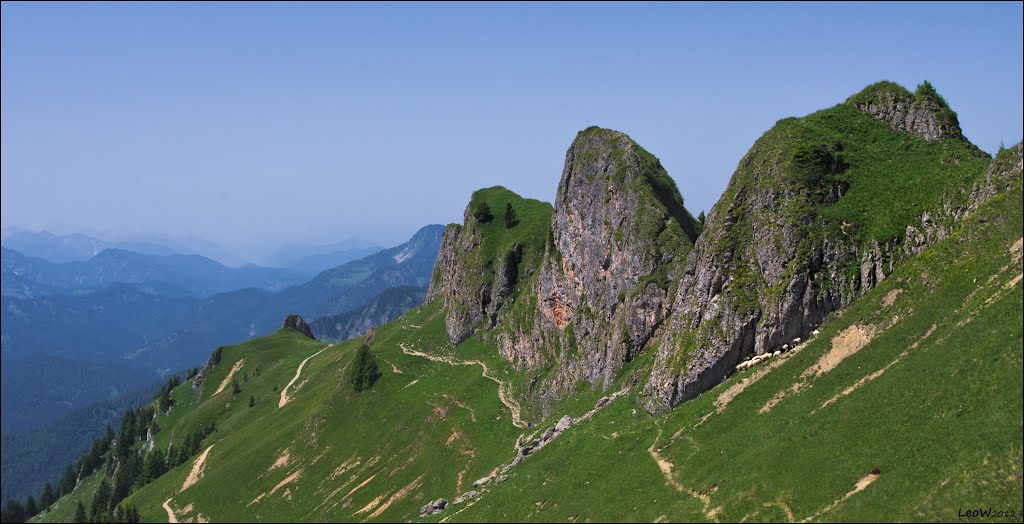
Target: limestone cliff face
<point x="619" y="237"/>
<point x="755" y="279"/>
<point x="782" y="249"/>
<point x="455" y="282"/>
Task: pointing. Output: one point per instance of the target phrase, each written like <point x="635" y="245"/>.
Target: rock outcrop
<point x="454" y="282"/>
<point x="434" y="507"/>
<point x="298" y="324"/>
<point x="923" y="113"/>
<point x="200" y="379"/>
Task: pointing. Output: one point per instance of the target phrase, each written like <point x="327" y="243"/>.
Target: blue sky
<point x="258" y="125"/>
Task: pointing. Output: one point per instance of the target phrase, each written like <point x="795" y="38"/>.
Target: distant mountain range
<point x="73" y="247"/>
<point x="305" y="259"/>
<point x="192" y="275"/>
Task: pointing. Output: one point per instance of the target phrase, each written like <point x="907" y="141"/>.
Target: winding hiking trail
<point x="171" y="517"/>
<point x="298" y="372"/>
<point x="512" y="405"/>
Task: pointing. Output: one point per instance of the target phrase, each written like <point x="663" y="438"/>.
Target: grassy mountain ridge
<point x="903" y="401"/>
<point x="939" y="445"/>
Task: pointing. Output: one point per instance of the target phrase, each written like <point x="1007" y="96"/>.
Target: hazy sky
<point x="257" y="125"/>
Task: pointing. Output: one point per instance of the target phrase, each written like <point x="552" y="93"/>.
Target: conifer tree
<point x="511" y="219"/>
<point x="67" y="482"/>
<point x="364" y="370"/>
<point x="482" y="212"/>
<point x="48" y="497"/>
<point x="13" y="512"/>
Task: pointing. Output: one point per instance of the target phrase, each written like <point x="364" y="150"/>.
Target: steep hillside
<point x="39" y="389"/>
<point x="819" y="211"/>
<point x="33" y="457"/>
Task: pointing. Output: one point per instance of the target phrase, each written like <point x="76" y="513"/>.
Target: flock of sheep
<point x="757" y="359"/>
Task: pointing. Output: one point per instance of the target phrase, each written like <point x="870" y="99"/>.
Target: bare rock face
<point x="757" y="278"/>
<point x="619" y="237"/>
<point x="298" y="324"/>
<point x="452" y="282"/>
<point x="923" y="113"/>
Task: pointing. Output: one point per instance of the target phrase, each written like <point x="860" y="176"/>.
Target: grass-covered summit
<point x="819" y="211"/>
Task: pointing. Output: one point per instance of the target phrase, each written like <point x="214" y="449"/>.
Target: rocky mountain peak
<point x="924" y="112"/>
<point x="422" y="242"/>
<point x="619" y="235"/>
